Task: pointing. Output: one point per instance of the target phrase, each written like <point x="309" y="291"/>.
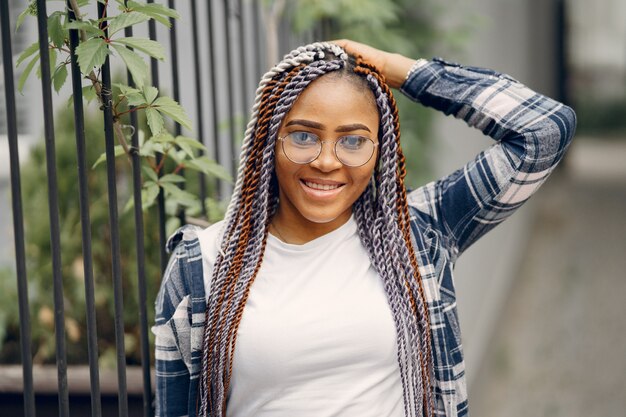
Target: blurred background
<point x="541" y="298"/>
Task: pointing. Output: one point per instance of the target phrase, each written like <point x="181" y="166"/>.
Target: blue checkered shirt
<point x="531" y="134"/>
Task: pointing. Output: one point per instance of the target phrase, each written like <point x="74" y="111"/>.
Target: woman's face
<point x="323" y="191"/>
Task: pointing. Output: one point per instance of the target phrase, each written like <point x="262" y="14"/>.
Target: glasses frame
<point x="334" y="142"/>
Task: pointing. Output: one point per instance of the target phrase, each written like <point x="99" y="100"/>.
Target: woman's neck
<point x="298" y="230"/>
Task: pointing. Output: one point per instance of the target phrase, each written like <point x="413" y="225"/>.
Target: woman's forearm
<point x="528" y="124"/>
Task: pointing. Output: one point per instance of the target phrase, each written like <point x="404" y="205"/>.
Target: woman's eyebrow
<point x="307" y="123"/>
<point x="352" y="127"/>
<point x="319" y="126"/>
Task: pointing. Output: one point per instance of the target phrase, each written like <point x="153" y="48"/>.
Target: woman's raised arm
<point x="532" y="133"/>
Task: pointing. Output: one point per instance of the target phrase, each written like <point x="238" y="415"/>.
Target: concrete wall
<point x="515" y="37"/>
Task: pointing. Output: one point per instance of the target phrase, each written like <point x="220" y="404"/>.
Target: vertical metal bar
<point x="242" y="66"/>
<point x="199" y="107"/>
<point x="561" y="51"/>
<point x="214" y="93"/>
<point x="231" y="101"/>
<point x="83" y="194"/>
<point x="18" y="217"/>
<point x="154" y="72"/>
<point x="141" y="256"/>
<point x="53" y="209"/>
<point x="176" y="89"/>
<point x="107" y="101"/>
<point x="258" y="61"/>
<point x="174" y="61"/>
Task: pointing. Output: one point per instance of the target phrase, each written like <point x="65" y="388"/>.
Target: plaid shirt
<point x="531" y="134"/>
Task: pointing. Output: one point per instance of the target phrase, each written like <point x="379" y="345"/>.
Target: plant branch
<point x="79" y="17"/>
<point x="121" y="138"/>
<point x="178" y="168"/>
<point x="162" y="162"/>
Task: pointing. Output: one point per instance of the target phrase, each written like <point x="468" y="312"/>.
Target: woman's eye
<point x="353" y="142"/>
<point x="303" y="138"/>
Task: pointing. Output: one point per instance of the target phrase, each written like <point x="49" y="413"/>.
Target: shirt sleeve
<point x="531" y="133"/>
<point x="172" y="348"/>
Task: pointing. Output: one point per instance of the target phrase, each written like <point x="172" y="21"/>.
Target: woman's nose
<point x="327" y="160"/>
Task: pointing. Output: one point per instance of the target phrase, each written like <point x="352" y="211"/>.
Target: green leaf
<point x="135" y="64"/>
<point x="163" y="137"/>
<point x="147" y="46"/>
<point x="90" y="27"/>
<point x="55" y="30"/>
<point x="59" y="77"/>
<point x="182" y="197"/>
<point x="192" y="142"/>
<point x="31" y="10"/>
<point x="188" y="145"/>
<point x="180" y="157"/>
<point x="26" y="73"/>
<point x="172" y="178"/>
<point x="155" y="121"/>
<point x="147" y="149"/>
<point x="91" y="54"/>
<point x="52" y="62"/>
<point x="171" y="108"/>
<point x="187" y="149"/>
<point x="89" y="93"/>
<point x="151" y="148"/>
<point x="136" y="99"/>
<point x="149" y="193"/>
<point x="124" y="20"/>
<point x="34" y="48"/>
<point x="126" y="89"/>
<point x="119" y="151"/>
<point x="209" y="167"/>
<point x="150" y="93"/>
<point x="157" y="12"/>
<point x="133" y="96"/>
<point x="150" y="173"/>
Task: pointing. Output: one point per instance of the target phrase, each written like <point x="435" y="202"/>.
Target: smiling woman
<point x="317" y="194"/>
<point x="327" y="290"/>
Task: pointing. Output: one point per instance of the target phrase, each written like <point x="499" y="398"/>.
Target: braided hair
<point x="381" y="213"/>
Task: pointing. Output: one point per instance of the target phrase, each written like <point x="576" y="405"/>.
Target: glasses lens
<point x="354" y="150"/>
<point x="301" y="147"/>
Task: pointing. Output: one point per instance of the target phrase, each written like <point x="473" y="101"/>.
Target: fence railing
<point x="221" y="43"/>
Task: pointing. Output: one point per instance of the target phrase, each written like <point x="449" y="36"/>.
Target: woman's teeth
<point x="324" y="187"/>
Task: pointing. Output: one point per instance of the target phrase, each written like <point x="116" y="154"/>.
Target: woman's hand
<point x="394" y="67"/>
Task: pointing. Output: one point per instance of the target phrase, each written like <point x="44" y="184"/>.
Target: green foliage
<point x="37" y="237"/>
<point x="101" y="39"/>
<point x="156" y="113"/>
<point x="9" y="318"/>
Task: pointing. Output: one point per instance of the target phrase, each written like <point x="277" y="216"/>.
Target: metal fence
<point x="226" y="32"/>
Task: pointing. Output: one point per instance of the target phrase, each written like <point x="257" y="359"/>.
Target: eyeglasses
<point x="306" y="147"/>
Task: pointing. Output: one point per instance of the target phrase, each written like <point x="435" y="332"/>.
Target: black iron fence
<point x="221" y="44"/>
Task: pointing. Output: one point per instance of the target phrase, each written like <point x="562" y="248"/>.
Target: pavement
<point x="560" y="346"/>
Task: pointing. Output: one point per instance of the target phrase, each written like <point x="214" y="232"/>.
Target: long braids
<point x="392" y="237"/>
<point x="381" y="213"/>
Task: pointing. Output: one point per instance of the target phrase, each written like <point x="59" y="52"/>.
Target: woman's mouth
<point x="326" y="189"/>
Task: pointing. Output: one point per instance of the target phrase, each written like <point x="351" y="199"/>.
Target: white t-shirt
<point x="317" y="337"/>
